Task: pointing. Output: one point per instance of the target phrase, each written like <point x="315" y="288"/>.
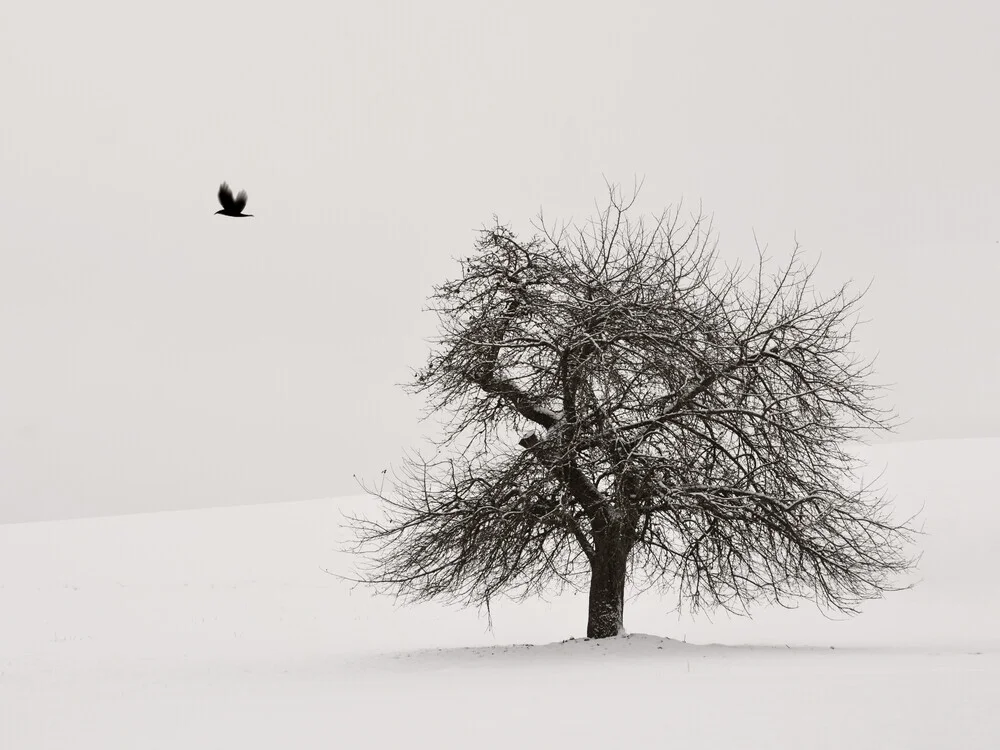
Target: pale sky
<point x="156" y="356"/>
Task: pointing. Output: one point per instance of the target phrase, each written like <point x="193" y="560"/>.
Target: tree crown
<point x="694" y="417"/>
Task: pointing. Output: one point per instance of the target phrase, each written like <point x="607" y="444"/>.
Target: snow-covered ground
<point x="223" y="628"/>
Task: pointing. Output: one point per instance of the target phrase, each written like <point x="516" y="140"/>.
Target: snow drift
<point x="227" y="627"/>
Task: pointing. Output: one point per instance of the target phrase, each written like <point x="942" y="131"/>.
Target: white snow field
<point x="221" y="629"/>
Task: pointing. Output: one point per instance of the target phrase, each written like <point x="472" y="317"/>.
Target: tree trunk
<point x="607" y="587"/>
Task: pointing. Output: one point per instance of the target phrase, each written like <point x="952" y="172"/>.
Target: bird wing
<point x="226" y="197"/>
<point x="241" y="201"/>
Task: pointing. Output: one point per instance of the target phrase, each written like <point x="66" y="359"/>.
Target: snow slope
<point x="224" y="628"/>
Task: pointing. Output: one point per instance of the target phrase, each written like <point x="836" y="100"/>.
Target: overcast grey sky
<point x="154" y="356"/>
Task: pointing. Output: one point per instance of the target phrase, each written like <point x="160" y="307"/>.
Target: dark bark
<point x="607" y="586"/>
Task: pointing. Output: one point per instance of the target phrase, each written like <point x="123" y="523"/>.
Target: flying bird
<point x="232" y="206"/>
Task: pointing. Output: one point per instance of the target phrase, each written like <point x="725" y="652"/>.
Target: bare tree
<point x="681" y="426"/>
